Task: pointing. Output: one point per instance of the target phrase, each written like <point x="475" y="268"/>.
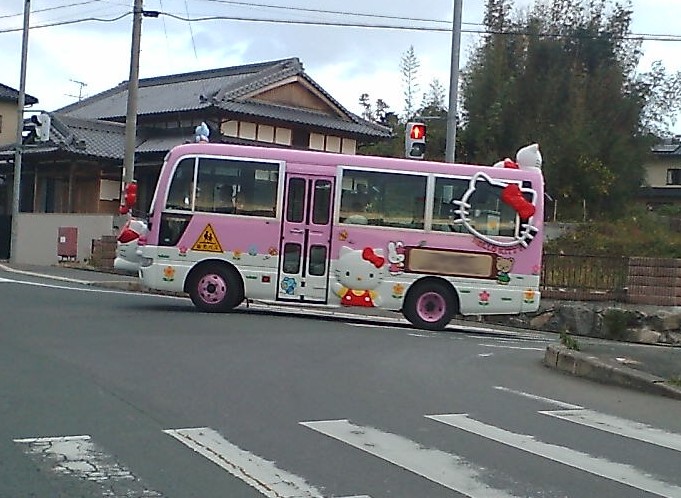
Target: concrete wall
<point x="38" y="235"/>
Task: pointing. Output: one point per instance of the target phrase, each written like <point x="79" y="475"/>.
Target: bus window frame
<point x="281" y="170"/>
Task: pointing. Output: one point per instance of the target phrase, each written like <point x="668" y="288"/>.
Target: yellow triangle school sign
<point x="207" y="241"/>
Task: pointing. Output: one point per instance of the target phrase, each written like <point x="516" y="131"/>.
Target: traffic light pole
<point x="16" y="192"/>
<point x="454" y="83"/>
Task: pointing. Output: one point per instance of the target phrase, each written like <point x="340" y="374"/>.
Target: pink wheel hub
<point x="431" y="307"/>
<point x="212" y="289"/>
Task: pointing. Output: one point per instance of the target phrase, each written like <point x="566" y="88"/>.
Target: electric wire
<point x="341" y="24"/>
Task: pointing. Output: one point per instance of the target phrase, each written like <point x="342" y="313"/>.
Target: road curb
<point x="584" y="365"/>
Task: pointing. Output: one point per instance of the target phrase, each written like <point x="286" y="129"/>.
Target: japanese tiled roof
<point x="230" y="89"/>
<point x="83" y="137"/>
<point x="9" y="94"/>
<point x="669" y="146"/>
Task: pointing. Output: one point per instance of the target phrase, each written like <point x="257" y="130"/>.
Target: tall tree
<point x="562" y="74"/>
<point x="365" y="102"/>
<point x="409" y="66"/>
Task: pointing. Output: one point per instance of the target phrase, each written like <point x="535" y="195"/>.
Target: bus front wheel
<point x="214" y="288"/>
<point x="430" y="305"/>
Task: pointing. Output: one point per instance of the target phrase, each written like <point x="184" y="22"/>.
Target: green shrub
<point x="642" y="234"/>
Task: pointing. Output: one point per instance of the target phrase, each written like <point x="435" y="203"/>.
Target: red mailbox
<point x="67" y="243"/>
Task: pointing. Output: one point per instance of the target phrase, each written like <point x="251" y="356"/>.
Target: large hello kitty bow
<point x="373" y="258"/>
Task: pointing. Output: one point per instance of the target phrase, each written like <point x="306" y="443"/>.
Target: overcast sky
<point x="79" y="60"/>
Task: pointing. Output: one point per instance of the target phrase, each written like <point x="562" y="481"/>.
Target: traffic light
<point x="42" y="126"/>
<point x="415" y="140"/>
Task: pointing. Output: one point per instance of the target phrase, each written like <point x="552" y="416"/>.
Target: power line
<point x="65" y="23"/>
<point x="7" y="16"/>
<point x="348" y="24"/>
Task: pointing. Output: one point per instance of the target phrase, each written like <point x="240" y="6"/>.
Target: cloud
<point x="343" y="60"/>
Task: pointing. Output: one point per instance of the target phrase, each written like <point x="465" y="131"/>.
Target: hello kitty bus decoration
<point x="511" y="194"/>
<point x="432" y="240"/>
<point x="358" y="274"/>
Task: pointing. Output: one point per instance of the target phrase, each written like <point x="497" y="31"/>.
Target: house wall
<point x="8" y="123"/>
<point x="38" y="235"/>
<point x="656" y="171"/>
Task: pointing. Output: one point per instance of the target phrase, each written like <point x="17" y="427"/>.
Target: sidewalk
<point x="643" y="367"/>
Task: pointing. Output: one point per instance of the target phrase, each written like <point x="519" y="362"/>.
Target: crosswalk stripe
<point x="619" y="426"/>
<point x="258" y="473"/>
<point x="448" y="470"/>
<point x="79" y="457"/>
<point x="554" y="402"/>
<point x="622" y="473"/>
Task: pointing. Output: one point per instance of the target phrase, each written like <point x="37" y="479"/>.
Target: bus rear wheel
<point x="214" y="288"/>
<point x="430" y="305"/>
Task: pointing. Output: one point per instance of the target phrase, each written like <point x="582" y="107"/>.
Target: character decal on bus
<point x="288" y="285"/>
<point x="504" y="267"/>
<point x="512" y="195"/>
<point x="396" y="257"/>
<point x="358" y="274"/>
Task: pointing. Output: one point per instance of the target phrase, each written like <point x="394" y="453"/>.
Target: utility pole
<point x="16" y="192"/>
<point x="133" y="85"/>
<point x="454" y="83"/>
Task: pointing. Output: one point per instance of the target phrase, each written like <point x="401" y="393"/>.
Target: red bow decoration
<point x="512" y="196"/>
<point x="373" y="258"/>
<point x="511" y="164"/>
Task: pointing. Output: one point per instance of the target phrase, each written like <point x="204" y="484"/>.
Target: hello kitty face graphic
<point x="360" y="269"/>
<point x="358" y="274"/>
<point x="509" y="193"/>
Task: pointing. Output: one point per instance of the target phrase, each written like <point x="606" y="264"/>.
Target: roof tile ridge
<point x="277" y="70"/>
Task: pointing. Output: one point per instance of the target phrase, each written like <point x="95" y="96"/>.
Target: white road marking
<point x="602" y="467"/>
<point x="522" y="348"/>
<point x="258" y="473"/>
<point x="559" y="404"/>
<point x="93" y="289"/>
<point x="450" y="471"/>
<point x="485" y="355"/>
<point x="620" y="426"/>
<point x="5" y="280"/>
<point x="79" y="457"/>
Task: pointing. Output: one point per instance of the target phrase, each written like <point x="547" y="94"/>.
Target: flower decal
<point x="168" y="274"/>
<point x="483" y="298"/>
<point x="288" y="285"/>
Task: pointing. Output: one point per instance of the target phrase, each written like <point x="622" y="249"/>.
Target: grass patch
<point x="568" y="341"/>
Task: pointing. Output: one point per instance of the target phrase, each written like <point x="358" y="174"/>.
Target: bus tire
<point x="430" y="305"/>
<point x="215" y="288"/>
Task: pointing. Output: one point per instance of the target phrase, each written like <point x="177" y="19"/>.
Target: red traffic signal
<point x="415" y="140"/>
<point x="418" y="131"/>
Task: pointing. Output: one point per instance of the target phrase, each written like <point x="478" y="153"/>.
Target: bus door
<point x="306" y="238"/>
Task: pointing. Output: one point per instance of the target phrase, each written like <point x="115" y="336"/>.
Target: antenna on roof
<point x="80" y="90"/>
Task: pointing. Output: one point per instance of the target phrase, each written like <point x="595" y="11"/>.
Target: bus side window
<point x="182" y="186"/>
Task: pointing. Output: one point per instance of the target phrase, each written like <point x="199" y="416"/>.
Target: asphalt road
<point x="112" y="394"/>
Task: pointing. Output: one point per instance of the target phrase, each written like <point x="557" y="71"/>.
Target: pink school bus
<point x="231" y="223"/>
